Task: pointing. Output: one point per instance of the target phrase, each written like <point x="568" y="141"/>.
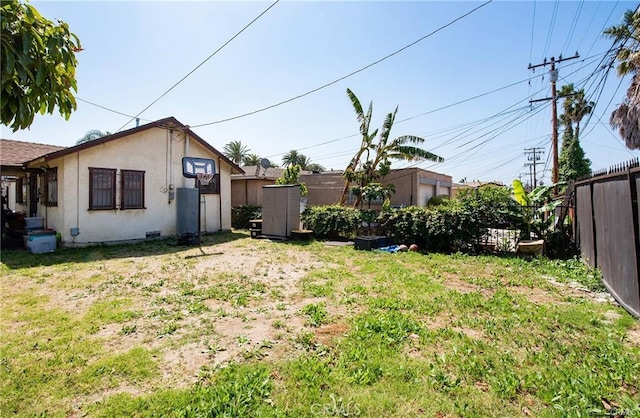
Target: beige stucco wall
<point x="248" y="191"/>
<point x="323" y="188"/>
<point x="160" y="157"/>
<point x="410" y="185"/>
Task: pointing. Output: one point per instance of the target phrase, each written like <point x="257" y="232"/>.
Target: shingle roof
<point x="256" y="171"/>
<point x="14" y="153"/>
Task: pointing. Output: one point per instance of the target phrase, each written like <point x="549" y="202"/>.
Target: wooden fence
<point x="608" y="229"/>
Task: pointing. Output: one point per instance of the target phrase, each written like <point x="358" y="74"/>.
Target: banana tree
<point x="536" y="206"/>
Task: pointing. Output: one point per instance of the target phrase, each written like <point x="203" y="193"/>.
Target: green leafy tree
<point x="235" y="151"/>
<point x="572" y="163"/>
<point x="376" y="191"/>
<point x="291" y="175"/>
<point x="251" y="159"/>
<point x="92" y="135"/>
<point x="38" y="65"/>
<point x="373" y="160"/>
<point x="626" y="44"/>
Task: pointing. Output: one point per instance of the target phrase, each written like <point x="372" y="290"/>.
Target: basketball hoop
<point x="204" y="178"/>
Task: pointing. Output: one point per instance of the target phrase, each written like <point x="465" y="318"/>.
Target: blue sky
<point x="135" y="51"/>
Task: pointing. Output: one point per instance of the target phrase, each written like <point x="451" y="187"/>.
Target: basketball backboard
<point x="191" y="166"/>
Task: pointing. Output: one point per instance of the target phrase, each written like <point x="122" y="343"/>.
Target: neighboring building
<point x="246" y="189"/>
<point x="121" y="186"/>
<point x="457" y="187"/>
<point x="414" y="187"/>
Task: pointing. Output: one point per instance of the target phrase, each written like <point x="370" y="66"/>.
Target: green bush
<point x="492" y="206"/>
<point x="443" y="228"/>
<point x="453" y="224"/>
<point x="241" y="215"/>
<point x="332" y="221"/>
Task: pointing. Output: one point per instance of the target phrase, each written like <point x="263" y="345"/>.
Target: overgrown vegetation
<point x="241" y="215"/>
<point x="333" y="221"/>
<point x="111" y="331"/>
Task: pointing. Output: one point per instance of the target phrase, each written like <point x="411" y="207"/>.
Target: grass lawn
<point x="258" y="328"/>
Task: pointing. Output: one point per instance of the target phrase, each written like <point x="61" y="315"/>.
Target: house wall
<point x="323" y="188"/>
<point x="159" y="154"/>
<point x="414" y="186"/>
<point x="248" y="191"/>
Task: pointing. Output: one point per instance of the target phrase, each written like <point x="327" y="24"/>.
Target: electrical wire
<point x="551" y="27"/>
<point x="533" y="25"/>
<point x="203" y="62"/>
<point x="345" y="76"/>
<point x="573" y="25"/>
<point x="106" y="108"/>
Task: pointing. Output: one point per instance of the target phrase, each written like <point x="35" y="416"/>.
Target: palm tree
<point x="251" y="159"/>
<point x="235" y="151"/>
<point x="626" y="37"/>
<point x="401" y="148"/>
<point x="576" y="108"/>
<point x="315" y="167"/>
<point x="293" y="157"/>
<point x="92" y="135"/>
<point x="572" y="162"/>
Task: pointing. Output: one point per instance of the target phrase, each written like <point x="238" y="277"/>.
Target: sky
<point x="464" y="86"/>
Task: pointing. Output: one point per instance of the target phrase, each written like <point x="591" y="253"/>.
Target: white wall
<point x="160" y="157"/>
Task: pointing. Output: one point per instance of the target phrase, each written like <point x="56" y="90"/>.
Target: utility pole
<point x="527" y="184"/>
<point x="553" y="74"/>
<point x="533" y="155"/>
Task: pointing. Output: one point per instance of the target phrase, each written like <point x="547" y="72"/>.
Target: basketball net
<point x="204" y="178"/>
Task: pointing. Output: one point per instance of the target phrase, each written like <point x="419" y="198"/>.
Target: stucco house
<point x="246" y="188"/>
<point x="13" y="154"/>
<point x="414" y="187"/>
<point x="122" y="186"/>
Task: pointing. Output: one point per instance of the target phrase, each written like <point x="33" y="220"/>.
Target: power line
<point x="551" y="27"/>
<point x="345" y="76"/>
<point x="595" y="13"/>
<point x="533" y="25"/>
<point x="202" y="63"/>
<point x="574" y="23"/>
<point x="475" y="123"/>
<point x="106" y="108"/>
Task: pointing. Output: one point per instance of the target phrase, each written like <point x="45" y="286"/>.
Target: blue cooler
<point x="37" y="244"/>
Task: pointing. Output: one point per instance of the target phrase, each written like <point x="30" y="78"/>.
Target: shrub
<point x="492" y="206"/>
<point x="446" y="228"/>
<point x="241" y="215"/>
<point x="331" y="221"/>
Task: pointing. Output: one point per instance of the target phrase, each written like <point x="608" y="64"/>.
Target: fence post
<point x="593" y="225"/>
<point x="633" y="191"/>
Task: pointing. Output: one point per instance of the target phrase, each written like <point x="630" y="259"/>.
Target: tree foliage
<point x="572" y="163"/>
<point x="294" y="157"/>
<point x="92" y="135"/>
<point x="38" y="65"/>
<point x="373" y="160"/>
<point x="315" y="167"/>
<point x="291" y="175"/>
<point x="235" y="151"/>
<point x="251" y="159"/>
<point x="626" y="44"/>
